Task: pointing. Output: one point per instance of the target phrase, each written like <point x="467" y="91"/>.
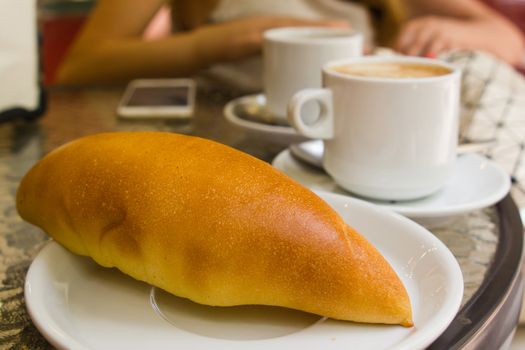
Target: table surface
<point x="479" y="239"/>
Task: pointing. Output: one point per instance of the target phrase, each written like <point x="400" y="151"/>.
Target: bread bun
<point x="209" y="223"/>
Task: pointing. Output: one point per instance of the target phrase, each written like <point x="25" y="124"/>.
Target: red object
<point x="58" y="34"/>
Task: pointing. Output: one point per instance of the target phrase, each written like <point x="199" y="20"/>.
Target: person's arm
<point x="111" y="47"/>
<point x="436" y="26"/>
<point x="461" y="9"/>
<point x="109" y="22"/>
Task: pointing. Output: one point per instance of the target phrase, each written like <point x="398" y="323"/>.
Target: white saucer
<point x="475" y="183"/>
<point x="249" y="114"/>
<point x="77" y="304"/>
<point x="312" y="151"/>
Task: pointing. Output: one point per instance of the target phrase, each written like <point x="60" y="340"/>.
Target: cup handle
<point x="323" y="126"/>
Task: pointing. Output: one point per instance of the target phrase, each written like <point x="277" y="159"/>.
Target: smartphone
<point x="158" y="98"/>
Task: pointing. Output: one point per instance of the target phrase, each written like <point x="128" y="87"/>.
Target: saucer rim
<point x="232" y="117"/>
<point x="498" y="194"/>
<point x="413" y="211"/>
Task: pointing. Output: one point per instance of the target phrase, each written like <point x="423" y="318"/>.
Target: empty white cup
<point x="293" y="58"/>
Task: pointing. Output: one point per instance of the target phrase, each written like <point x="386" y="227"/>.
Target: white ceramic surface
<point x="248" y="114"/>
<point x="312" y="151"/>
<point x="385" y="138"/>
<point x="475" y="183"/>
<point x="77" y="304"/>
<point x="293" y="58"/>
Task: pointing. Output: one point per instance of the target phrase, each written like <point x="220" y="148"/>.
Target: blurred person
<point x="124" y="40"/>
<point x="118" y="43"/>
<point x="436" y="26"/>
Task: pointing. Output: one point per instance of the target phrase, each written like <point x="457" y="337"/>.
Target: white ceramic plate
<point x="248" y="113"/>
<point x="77" y="304"/>
<point x="476" y="183"/>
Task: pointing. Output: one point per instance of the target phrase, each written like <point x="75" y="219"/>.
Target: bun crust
<point x="207" y="222"/>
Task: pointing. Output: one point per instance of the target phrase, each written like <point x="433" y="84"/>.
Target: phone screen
<point x="159" y="96"/>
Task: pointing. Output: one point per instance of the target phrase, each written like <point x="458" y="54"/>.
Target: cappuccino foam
<point x="392" y="70"/>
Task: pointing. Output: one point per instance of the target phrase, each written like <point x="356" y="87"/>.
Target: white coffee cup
<point x="293" y="58"/>
<point x="389" y="138"/>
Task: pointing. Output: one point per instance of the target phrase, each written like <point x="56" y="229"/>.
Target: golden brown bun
<point x="209" y="223"/>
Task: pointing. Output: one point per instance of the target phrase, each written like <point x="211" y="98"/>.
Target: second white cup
<point x="293" y="58"/>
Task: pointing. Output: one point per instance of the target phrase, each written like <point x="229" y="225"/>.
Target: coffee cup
<point x="293" y="58"/>
<point x="389" y="124"/>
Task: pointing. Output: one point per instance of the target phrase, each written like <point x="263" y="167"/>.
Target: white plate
<point x="249" y="114"/>
<point x="77" y="304"/>
<point x="476" y="183"/>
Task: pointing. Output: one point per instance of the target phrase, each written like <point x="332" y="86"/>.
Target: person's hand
<point x="230" y="41"/>
<point x="431" y="35"/>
